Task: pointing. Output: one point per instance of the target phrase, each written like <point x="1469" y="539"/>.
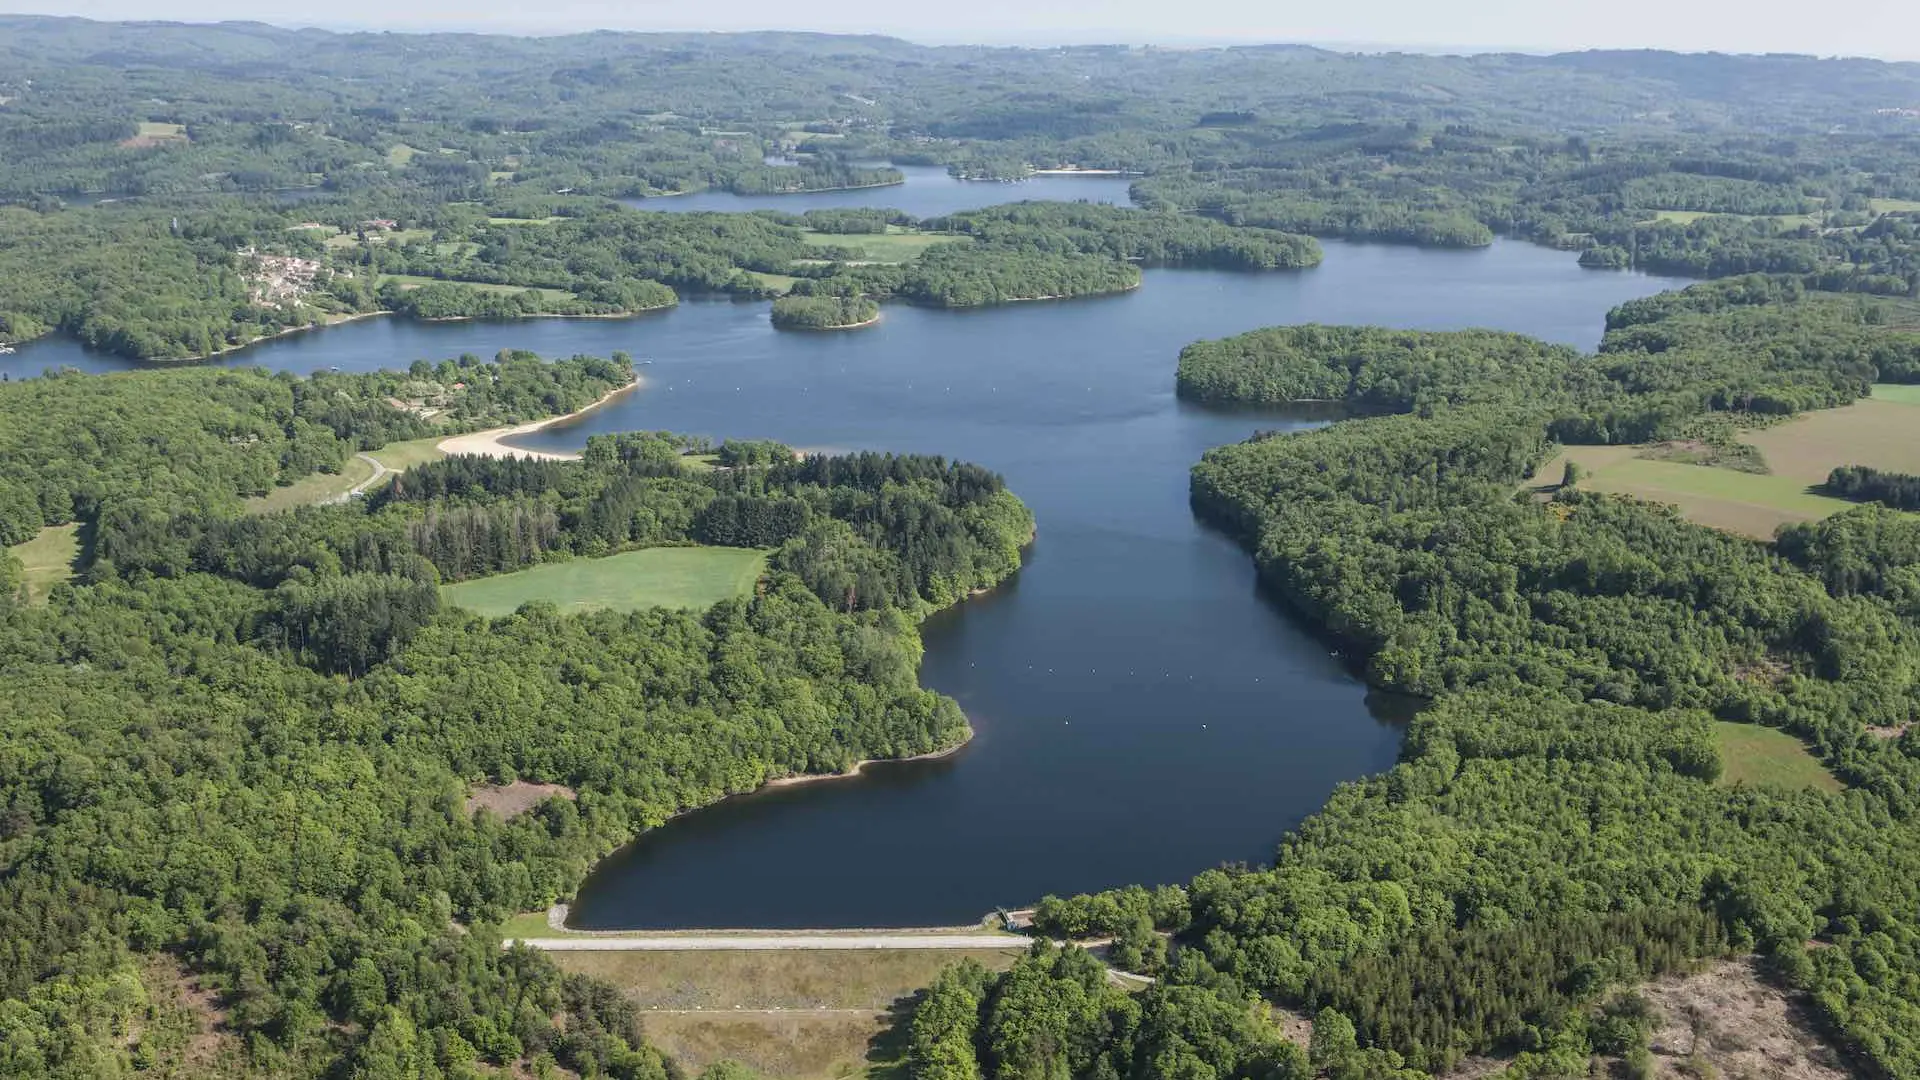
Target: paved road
<point x="706" y="943"/>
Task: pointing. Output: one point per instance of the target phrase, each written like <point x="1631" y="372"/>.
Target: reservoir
<point x="927" y="192"/>
<point x="1142" y="711"/>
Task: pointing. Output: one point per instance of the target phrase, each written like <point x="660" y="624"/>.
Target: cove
<point x="1142" y="711"/>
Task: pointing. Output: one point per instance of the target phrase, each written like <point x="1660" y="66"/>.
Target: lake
<point x="927" y="192"/>
<point x="1143" y="711"/>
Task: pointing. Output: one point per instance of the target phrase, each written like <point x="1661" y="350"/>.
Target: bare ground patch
<point x="186" y="1027"/>
<point x="1747" y="1029"/>
<point x="509" y="801"/>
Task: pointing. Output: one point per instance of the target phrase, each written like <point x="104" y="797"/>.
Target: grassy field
<point x="897" y="245"/>
<point x="400" y="154"/>
<point x="1738" y="502"/>
<point x="1687" y="217"/>
<point x="320" y="487"/>
<point x="771" y="979"/>
<point x="801" y="1015"/>
<point x="682" y="577"/>
<point x="161" y="132"/>
<point x="1877" y="431"/>
<point x="781" y="282"/>
<point x="1897" y="393"/>
<point x="1761" y="756"/>
<point x="1894" y="206"/>
<point x="48" y="559"/>
<point x="414" y="281"/>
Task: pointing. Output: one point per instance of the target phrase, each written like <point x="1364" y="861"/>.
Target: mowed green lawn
<point x="1762" y="756"/>
<point x="48" y="559"/>
<point x="672" y="577"/>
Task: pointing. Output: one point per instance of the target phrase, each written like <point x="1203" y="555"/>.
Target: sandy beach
<point x="491" y="443"/>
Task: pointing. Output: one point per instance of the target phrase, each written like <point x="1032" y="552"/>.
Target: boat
<point x="6" y="350"/>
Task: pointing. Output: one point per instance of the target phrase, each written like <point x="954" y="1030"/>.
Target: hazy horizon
<point x="1854" y="28"/>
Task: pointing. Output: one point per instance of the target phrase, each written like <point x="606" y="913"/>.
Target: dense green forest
<point x="288" y="817"/>
<point x="824" y="312"/>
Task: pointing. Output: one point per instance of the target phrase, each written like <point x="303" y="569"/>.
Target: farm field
<point x="1762" y="756"/>
<point x="1800" y="453"/>
<point x="896" y="245"/>
<point x="1878" y="431"/>
<point x="674" y="577"/>
<point x="48" y="559"/>
<point x="1744" y="503"/>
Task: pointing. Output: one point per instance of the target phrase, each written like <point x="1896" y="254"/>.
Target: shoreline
<point x="830" y="329"/>
<point x="488" y="443"/>
<point x="860" y="766"/>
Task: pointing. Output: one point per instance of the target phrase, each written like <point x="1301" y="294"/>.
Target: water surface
<point x="1143" y="712"/>
<point x="927" y="192"/>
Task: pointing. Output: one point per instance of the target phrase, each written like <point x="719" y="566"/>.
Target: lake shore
<point x="861" y="325"/>
<point x="490" y="443"/>
<point x="861" y="765"/>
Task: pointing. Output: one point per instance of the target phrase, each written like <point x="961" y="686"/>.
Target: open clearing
<point x="1897" y="393"/>
<point x="1877" y="431"/>
<point x="896" y="245"/>
<point x="781" y="283"/>
<point x="324" y="487"/>
<point x="803" y="1015"/>
<point x="1744" y="503"/>
<point x="1894" y="206"/>
<point x="400" y="154"/>
<point x="1687" y="217"/>
<point x="673" y="577"/>
<point x="415" y="281"/>
<point x="48" y="559"/>
<point x="1764" y="757"/>
<point x="1746" y="1028"/>
<point x="797" y="979"/>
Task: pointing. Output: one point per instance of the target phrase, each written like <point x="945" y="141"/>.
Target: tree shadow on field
<point x="887" y="1050"/>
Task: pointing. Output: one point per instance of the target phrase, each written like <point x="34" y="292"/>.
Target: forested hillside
<point x="246" y="741"/>
<point x="1554" y="832"/>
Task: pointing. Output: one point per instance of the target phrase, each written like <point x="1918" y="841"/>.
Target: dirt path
<point x="491" y="443"/>
<point x="712" y="942"/>
<point x="380" y="471"/>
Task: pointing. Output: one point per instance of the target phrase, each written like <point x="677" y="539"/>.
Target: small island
<point x="825" y="312"/>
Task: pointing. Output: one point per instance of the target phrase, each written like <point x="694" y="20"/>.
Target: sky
<point x="1889" y="29"/>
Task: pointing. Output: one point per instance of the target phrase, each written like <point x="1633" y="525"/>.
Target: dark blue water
<point x="928" y="192"/>
<point x="1142" y="711"/>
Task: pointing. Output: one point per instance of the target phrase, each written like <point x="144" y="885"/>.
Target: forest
<point x="289" y="820"/>
<point x="1554" y="832"/>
